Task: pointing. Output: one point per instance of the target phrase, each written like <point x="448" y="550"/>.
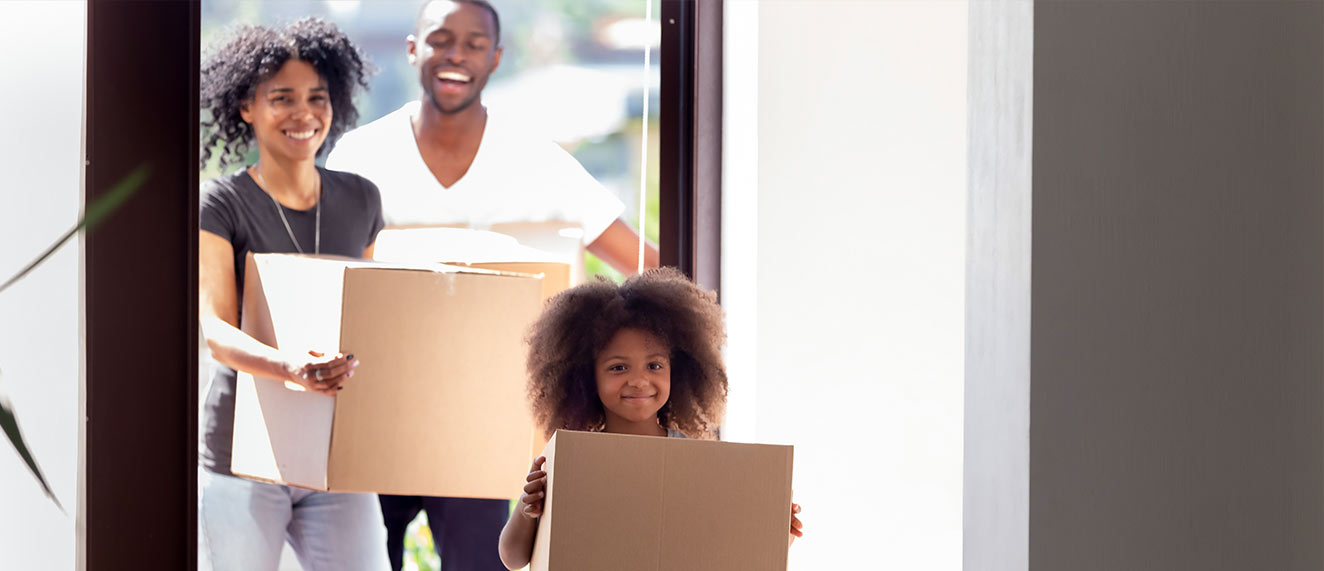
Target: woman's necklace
<point x="317" y="216"/>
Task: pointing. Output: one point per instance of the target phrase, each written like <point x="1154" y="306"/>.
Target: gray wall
<point x="1178" y="281"/>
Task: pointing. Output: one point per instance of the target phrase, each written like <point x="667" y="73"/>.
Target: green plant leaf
<point x="93" y="215"/>
<point x="10" y="425"/>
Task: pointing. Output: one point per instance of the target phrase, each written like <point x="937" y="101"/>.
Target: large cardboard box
<point x="474" y="249"/>
<point x="437" y="404"/>
<point x="666" y="504"/>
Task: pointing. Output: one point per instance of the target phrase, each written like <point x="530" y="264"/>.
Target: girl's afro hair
<point x="579" y="322"/>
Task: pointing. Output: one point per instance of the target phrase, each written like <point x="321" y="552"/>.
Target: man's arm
<point x="619" y="247"/>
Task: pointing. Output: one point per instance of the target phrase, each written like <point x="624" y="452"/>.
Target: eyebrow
<point x="291" y="89"/>
<point x="471" y="33"/>
<point x="653" y="356"/>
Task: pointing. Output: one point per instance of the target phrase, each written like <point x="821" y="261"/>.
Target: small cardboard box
<point x="475" y="249"/>
<point x="436" y="406"/>
<point x="617" y="502"/>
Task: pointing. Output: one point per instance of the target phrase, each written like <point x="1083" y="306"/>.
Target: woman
<point x="289" y="91"/>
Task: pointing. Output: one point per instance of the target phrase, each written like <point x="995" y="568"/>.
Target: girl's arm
<point x="218" y="311"/>
<point x="516" y="545"/>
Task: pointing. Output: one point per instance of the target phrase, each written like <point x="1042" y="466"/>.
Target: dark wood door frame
<point x="139" y="503"/>
<point x="690" y="156"/>
<point x="140" y="289"/>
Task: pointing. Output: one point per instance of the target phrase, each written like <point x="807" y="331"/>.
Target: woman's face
<point x="290" y="113"/>
<point x="634" y="380"/>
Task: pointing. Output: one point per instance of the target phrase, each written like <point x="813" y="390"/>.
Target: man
<point x="442" y="161"/>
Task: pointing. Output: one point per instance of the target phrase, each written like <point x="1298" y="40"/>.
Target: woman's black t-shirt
<point x="235" y="208"/>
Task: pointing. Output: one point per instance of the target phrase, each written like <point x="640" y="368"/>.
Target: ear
<point x="412" y="42"/>
<point x="245" y="113"/>
<point x="496" y="60"/>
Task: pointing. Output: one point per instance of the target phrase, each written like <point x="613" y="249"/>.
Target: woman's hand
<point x="319" y="372"/>
<point x="530" y="502"/>
<point x="796" y="526"/>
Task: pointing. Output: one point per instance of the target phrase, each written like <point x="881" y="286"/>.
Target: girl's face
<point x="634" y="380"/>
<point x="290" y="113"/>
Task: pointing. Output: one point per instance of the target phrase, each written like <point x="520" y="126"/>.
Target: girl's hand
<point x="321" y="373"/>
<point x="796" y="526"/>
<point x="530" y="502"/>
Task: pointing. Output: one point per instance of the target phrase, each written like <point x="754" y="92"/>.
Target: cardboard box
<point x="437" y="404"/>
<point x="474" y="249"/>
<point x="667" y="504"/>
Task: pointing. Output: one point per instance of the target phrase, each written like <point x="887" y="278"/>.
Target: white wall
<point x="40" y="339"/>
<point x="851" y="217"/>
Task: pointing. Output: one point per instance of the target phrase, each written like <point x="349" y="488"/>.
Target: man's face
<point x="455" y="51"/>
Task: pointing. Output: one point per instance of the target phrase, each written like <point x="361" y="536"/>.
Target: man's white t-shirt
<point x="514" y="178"/>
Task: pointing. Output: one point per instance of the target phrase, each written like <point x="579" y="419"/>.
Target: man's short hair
<point x="484" y="4"/>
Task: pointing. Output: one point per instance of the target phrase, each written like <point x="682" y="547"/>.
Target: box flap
<point x="302" y="299"/>
<point x="555" y="275"/>
<point x="280" y="433"/>
<point x="474" y="249"/>
<point x="278" y="446"/>
<point x="453" y="245"/>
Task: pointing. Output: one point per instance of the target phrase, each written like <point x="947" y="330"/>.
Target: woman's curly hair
<point x="579" y="322"/>
<point x="231" y="74"/>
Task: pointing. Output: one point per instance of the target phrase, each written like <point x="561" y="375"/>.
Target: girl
<point x="640" y="358"/>
<point x="289" y="91"/>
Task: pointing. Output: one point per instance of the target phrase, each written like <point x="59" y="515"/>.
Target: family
<point x="642" y="358"/>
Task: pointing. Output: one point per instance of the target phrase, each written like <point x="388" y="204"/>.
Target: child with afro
<point x="640" y="358"/>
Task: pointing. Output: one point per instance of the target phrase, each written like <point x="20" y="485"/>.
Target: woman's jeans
<point x="242" y="526"/>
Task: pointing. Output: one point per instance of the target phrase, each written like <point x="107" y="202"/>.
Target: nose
<point x="453" y="53"/>
<point x="302" y="110"/>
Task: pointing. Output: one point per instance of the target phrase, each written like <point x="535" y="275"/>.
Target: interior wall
<point x="40" y="317"/>
<point x="998" y="279"/>
<point x="857" y="204"/>
<point x="1178" y="286"/>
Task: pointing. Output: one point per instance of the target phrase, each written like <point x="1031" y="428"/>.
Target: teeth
<point x="453" y="76"/>
<point x="301" y="134"/>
